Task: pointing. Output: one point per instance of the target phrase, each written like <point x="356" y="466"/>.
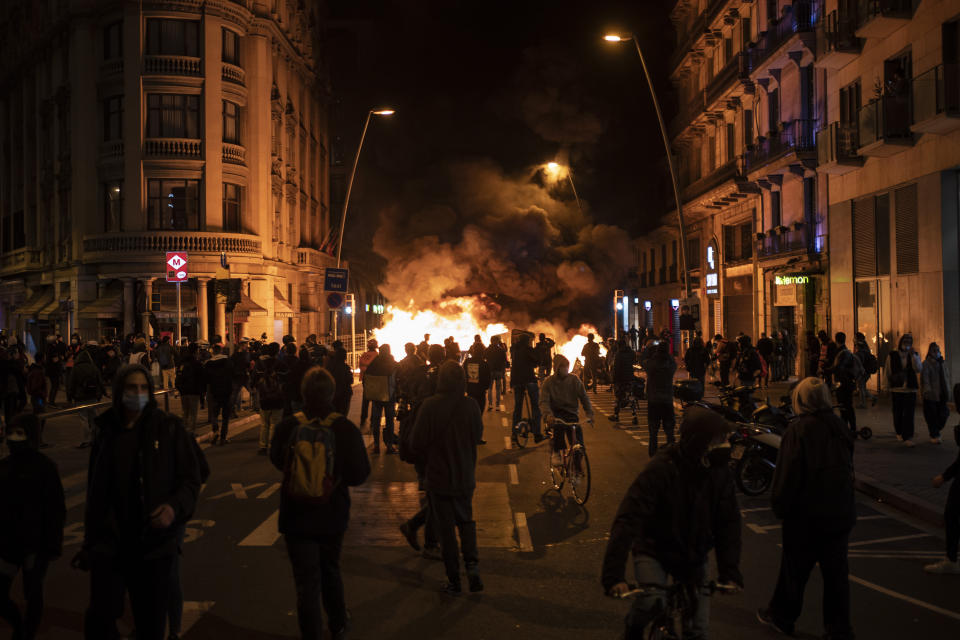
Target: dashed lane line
<point x="905" y="598"/>
<point x="269" y="491"/>
<point x="504" y="422"/>
<point x="766" y="528"/>
<point x="265" y="535"/>
<point x="192" y="612"/>
<point x="507" y="444"/>
<point x="523" y="532"/>
<point x="863" y="543"/>
<point x="514" y="475"/>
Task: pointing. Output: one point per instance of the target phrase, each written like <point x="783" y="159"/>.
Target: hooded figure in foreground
<point x="680" y="507"/>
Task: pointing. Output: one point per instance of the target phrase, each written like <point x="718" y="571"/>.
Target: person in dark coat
<point x="445" y="435"/>
<point x="343" y="377"/>
<point x="623" y="376"/>
<point x="591" y="362"/>
<point x="191" y="382"/>
<point x="680" y="507"/>
<point x="314" y="532"/>
<point x="660" y="368"/>
<point x="696" y="360"/>
<point x="765" y="347"/>
<point x="218" y="373"/>
<point x="85" y="386"/>
<point x="496" y="357"/>
<point x="544" y="349"/>
<point x="523" y="381"/>
<point x="142" y="488"/>
<point x="903" y="371"/>
<point x="381" y="377"/>
<point x="812" y="493"/>
<point x="936" y="392"/>
<point x="951" y="512"/>
<point x="32" y="514"/>
<point x="13" y="384"/>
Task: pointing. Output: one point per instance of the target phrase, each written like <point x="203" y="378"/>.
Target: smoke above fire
<point x="517" y="243"/>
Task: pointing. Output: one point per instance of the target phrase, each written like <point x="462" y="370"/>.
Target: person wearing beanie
<point x="681" y="507"/>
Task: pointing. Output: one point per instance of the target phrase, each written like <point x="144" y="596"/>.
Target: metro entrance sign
<point x="176" y="267"/>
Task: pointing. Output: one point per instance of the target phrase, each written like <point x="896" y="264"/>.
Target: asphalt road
<point x="540" y="555"/>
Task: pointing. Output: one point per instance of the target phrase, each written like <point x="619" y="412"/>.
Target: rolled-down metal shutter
<point x="907" y="229"/>
<point x="864" y="238"/>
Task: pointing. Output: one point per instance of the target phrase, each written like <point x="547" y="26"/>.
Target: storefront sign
<point x="786" y="295"/>
<point x="711" y="275"/>
<point x="790" y="280"/>
<point x="647" y="305"/>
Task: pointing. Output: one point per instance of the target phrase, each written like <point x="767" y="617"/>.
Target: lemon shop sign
<point x="787" y="280"/>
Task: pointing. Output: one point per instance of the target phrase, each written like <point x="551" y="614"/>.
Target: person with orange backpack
<point x="321" y="454"/>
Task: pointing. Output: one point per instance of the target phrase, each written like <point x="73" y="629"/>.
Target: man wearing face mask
<point x="680" y="507"/>
<point x="32" y="513"/>
<point x="561" y="397"/>
<point x="144" y="478"/>
<point x="903" y="370"/>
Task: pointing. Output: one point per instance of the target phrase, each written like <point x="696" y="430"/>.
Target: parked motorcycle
<point x="753" y="457"/>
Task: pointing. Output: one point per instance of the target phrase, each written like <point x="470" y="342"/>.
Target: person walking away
<point x="445" y="436"/>
<point x="951" y="513"/>
<point x="660" y="368"/>
<point x="765" y="347"/>
<point x="789" y="354"/>
<point x="381" y="389"/>
<point x="144" y="478"/>
<point x="291" y="370"/>
<point x="623" y="376"/>
<point x="85" y="386"/>
<point x="828" y="353"/>
<point x="13" y="384"/>
<point x="523" y="381"/>
<point x="846" y="370"/>
<point x="191" y="383"/>
<point x="812" y="493"/>
<point x="591" y="362"/>
<point x="423" y="349"/>
<point x="870" y="366"/>
<point x="749" y="365"/>
<point x="696" y="360"/>
<point x="366" y="358"/>
<point x="544" y="349"/>
<point x="218" y="373"/>
<point x="496" y="357"/>
<point x="240" y="362"/>
<point x="36" y="385"/>
<point x="343" y="378"/>
<point x="411" y="374"/>
<point x="111" y="365"/>
<point x="32" y="515"/>
<point x="902" y="371"/>
<point x="270" y="392"/>
<point x="478" y="379"/>
<point x="322" y="445"/>
<point x="726" y="354"/>
<point x="936" y="394"/>
<point x="681" y="507"/>
<point x="813" y="355"/>
<point x="165" y="357"/>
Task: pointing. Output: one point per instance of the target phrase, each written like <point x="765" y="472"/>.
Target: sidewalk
<point x="888" y="470"/>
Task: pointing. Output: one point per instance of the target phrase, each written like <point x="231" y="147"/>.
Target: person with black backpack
<point x="748" y="364"/>
<point x="314" y="515"/>
<point x="870" y="366"/>
<point x="846" y="370"/>
<point x="270" y="392"/>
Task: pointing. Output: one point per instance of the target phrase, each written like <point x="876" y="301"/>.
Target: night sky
<point x="511" y="84"/>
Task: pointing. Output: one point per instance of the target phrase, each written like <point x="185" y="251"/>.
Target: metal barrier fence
<point x="96" y="406"/>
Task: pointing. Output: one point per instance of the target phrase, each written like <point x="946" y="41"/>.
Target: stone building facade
<point x="129" y="129"/>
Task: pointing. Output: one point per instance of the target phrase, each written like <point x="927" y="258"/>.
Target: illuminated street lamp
<point x="353" y="173"/>
<point x="615" y="38"/>
<point x="558" y="171"/>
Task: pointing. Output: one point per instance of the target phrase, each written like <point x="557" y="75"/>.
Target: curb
<point x="916" y="507"/>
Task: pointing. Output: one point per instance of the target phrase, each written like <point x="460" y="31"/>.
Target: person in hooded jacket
<point x="478" y="379"/>
<point x="660" y="368"/>
<point x="623" y="375"/>
<point x="343" y="377"/>
<point x="381" y="377"/>
<point x="812" y="493"/>
<point x="85" y="386"/>
<point x="903" y="371"/>
<point x="32" y="514"/>
<point x="680" y="507"/>
<point x="951" y="512"/>
<point x="496" y="357"/>
<point x="218" y="373"/>
<point x="142" y="487"/>
<point x="191" y="382"/>
<point x="936" y="392"/>
<point x="447" y="429"/>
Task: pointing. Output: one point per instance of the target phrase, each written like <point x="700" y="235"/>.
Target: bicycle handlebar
<point x="571" y="424"/>
<point x="654" y="589"/>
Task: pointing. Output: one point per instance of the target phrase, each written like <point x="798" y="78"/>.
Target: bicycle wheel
<point x="557" y="473"/>
<point x="522" y="434"/>
<point x="579" y="470"/>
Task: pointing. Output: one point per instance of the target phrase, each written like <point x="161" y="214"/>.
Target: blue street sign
<point x="335" y="280"/>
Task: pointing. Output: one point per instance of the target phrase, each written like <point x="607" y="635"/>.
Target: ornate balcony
<point x="837" y="149"/>
<point x="885" y="126"/>
<point x="784" y="240"/>
<point x="880" y="18"/>
<point x="308" y="257"/>
<point x="111" y="151"/>
<point x="151" y="244"/>
<point x="233" y="73"/>
<point x="172" y="65"/>
<point x="797" y="138"/>
<point x="111" y="68"/>
<point x="936" y="100"/>
<point x="173" y="147"/>
<point x="20" y="260"/>
<point x="837" y="41"/>
<point x="234" y="153"/>
<point x="800" y="21"/>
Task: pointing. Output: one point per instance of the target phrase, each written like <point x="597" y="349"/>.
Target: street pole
<point x="179" y="317"/>
<point x="570" y="178"/>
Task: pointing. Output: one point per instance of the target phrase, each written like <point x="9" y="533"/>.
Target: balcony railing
<point x="802" y="19"/>
<point x="234" y="153"/>
<point x="697" y="29"/>
<point x="173" y="147"/>
<point x="838" y="143"/>
<point x="798" y="136"/>
<point x="19" y="259"/>
<point x="111" y="149"/>
<point x="885" y="118"/>
<point x="172" y="65"/>
<point x="839" y="34"/>
<point x="868" y="10"/>
<point x="735" y="68"/>
<point x="111" y="67"/>
<point x="709" y="182"/>
<point x="313" y="258"/>
<point x="233" y="73"/>
<point x="937" y="92"/>
<point x="152" y="242"/>
<point x="783" y="240"/>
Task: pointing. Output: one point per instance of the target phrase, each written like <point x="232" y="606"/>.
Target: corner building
<point x="891" y="154"/>
<point x="129" y="129"/>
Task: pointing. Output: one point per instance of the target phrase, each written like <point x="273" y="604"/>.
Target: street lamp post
<point x="555" y="168"/>
<point x="346" y="199"/>
<point x="616" y="38"/>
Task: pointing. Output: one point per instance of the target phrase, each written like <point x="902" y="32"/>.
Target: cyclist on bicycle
<point x="677" y="510"/>
<point x="560" y="398"/>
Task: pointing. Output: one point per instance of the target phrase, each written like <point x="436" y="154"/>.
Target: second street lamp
<point x="616" y="38"/>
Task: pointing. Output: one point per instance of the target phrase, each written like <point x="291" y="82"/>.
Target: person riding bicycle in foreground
<point x="560" y="398"/>
<point x="678" y="509"/>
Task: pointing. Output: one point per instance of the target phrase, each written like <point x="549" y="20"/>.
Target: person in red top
<point x="366" y="358"/>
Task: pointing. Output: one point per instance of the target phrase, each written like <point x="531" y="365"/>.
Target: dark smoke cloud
<point x="504" y="236"/>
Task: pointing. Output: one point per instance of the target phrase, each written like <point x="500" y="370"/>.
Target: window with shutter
<point x="905" y="214"/>
<point x="882" y="205"/>
<point x="864" y="238"/>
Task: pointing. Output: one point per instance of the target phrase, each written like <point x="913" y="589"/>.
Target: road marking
<point x="507" y="444"/>
<point x="78" y="499"/>
<point x="504" y="422"/>
<point x="237" y="490"/>
<point x="900" y="596"/>
<point x="192" y="612"/>
<point x="269" y="491"/>
<point x="74" y="479"/>
<point x="934" y="555"/>
<point x="523" y="532"/>
<point x="754" y="509"/>
<point x="266" y="535"/>
<point x="862" y="543"/>
<point x="503" y="407"/>
<point x="514" y="476"/>
<point x="764" y="528"/>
